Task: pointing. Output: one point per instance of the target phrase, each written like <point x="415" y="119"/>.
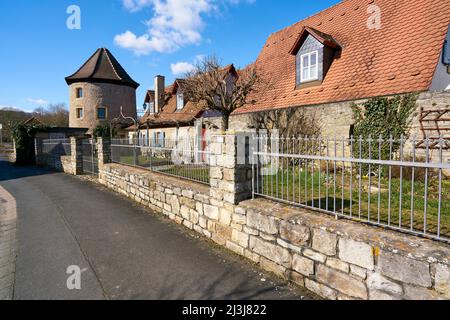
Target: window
<point x="80" y="113"/>
<point x="309" y="69"/>
<point x="180" y="101"/>
<point x="79" y="93"/>
<point x="151" y="107"/>
<point x="101" y="113"/>
<point x="159" y="139"/>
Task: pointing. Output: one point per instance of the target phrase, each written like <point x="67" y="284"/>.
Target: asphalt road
<point x="123" y="250"/>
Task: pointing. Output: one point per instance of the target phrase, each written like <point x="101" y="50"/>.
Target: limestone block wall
<point x="337" y="259"/>
<point x="336" y="119"/>
<point x="70" y="164"/>
<point x="439" y="100"/>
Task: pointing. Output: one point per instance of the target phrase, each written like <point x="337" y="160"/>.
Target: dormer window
<point x="180" y="101"/>
<point x="151" y="107"/>
<point x="315" y="52"/>
<point x="309" y="66"/>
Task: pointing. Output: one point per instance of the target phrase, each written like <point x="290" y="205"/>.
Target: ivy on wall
<point x="383" y="118"/>
<point x="24" y="135"/>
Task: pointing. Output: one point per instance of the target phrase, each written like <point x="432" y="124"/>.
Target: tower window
<point x="79" y="93"/>
<point x="80" y="113"/>
<point x="101" y="113"/>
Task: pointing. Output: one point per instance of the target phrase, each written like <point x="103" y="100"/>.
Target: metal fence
<point x="90" y="157"/>
<point x="395" y="183"/>
<point x="56" y="147"/>
<point x="185" y="158"/>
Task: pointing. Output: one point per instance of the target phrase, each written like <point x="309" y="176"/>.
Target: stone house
<point x="340" y="56"/>
<point x="171" y="116"/>
<point x="98" y="91"/>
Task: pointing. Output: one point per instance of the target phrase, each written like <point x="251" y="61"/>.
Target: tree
<point x="290" y="123"/>
<point x="55" y="115"/>
<point x="223" y="89"/>
<point x="293" y="122"/>
<point x="9" y="117"/>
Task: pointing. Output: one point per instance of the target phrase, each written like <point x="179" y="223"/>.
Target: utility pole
<point x="1" y="134"/>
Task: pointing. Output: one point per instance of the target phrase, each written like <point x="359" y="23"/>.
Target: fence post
<point x="104" y="151"/>
<point x="230" y="168"/>
<point x="76" y="154"/>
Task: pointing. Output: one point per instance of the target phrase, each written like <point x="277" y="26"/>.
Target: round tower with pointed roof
<point x="98" y="90"/>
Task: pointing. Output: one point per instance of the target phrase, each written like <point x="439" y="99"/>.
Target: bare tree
<point x="294" y="123"/>
<point x="289" y="122"/>
<point x="223" y="89"/>
<point x="54" y="115"/>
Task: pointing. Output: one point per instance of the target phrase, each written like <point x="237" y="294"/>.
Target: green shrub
<point x="24" y="135"/>
<point x="102" y="131"/>
<point x="383" y="118"/>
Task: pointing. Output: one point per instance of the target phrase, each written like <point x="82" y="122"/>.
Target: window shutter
<point x="154" y="139"/>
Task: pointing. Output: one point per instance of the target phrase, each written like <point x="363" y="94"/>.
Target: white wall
<point x="441" y="79"/>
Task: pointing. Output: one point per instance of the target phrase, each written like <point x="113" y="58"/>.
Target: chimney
<point x="159" y="93"/>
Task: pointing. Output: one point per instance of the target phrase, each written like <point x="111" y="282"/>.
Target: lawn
<point x="191" y="171"/>
<point x="404" y="206"/>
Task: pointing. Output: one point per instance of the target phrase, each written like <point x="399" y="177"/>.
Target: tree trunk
<point x="225" y="121"/>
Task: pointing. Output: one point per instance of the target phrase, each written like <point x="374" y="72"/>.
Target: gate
<point x="90" y="157"/>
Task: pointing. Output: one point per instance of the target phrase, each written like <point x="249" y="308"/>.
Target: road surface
<point x="123" y="250"/>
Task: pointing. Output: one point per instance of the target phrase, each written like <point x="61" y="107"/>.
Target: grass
<point x="193" y="172"/>
<point x="404" y="207"/>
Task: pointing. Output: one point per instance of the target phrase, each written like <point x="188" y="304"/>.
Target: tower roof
<point x="102" y="67"/>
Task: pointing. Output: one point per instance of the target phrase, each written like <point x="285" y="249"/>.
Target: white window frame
<point x="309" y="55"/>
<point x="180" y="96"/>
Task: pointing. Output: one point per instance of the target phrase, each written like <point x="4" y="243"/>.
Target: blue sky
<point x="148" y="37"/>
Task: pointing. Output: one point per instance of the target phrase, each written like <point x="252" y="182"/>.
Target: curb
<point x="8" y="225"/>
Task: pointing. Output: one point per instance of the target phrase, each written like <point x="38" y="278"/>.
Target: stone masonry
<point x="335" y="259"/>
<point x="71" y="164"/>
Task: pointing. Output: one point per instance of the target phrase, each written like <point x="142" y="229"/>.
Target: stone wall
<point x="111" y="96"/>
<point x="335" y="259"/>
<point x="336" y="119"/>
<point x="70" y="164"/>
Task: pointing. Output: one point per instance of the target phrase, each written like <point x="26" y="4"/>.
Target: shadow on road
<point x="199" y="290"/>
<point x="9" y="171"/>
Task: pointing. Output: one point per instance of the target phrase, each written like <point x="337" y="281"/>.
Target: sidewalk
<point x="123" y="250"/>
<point x="7" y="244"/>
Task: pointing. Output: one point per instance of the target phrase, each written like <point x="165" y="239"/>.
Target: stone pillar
<point x="76" y="154"/>
<point x="104" y="151"/>
<point x="231" y="169"/>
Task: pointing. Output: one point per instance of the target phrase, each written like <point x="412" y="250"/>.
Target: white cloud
<point x="181" y="68"/>
<point x="39" y="102"/>
<point x="10" y="108"/>
<point x="175" y="24"/>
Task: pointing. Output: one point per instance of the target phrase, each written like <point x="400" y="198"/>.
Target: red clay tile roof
<point x="170" y="116"/>
<point x="401" y="57"/>
<point x="323" y="38"/>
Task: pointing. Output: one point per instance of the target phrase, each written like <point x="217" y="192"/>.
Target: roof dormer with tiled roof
<point x="400" y="56"/>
